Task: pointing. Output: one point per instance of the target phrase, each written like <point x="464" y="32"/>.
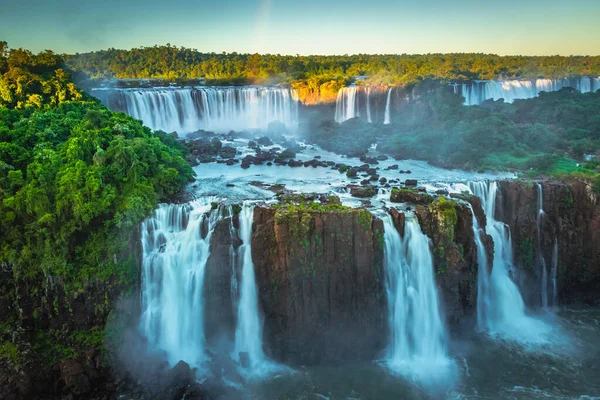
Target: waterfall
<point x="346" y="105"/>
<point x="542" y="261"/>
<point x="369" y="119"/>
<point x="418" y="336"/>
<point x="248" y="334"/>
<point x="388" y="101"/>
<point x="501" y="310"/>
<point x="219" y="109"/>
<point x="173" y="265"/>
<point x="477" y="92"/>
<point x="553" y="272"/>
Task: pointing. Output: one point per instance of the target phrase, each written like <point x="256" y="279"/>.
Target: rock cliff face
<point x="321" y="284"/>
<point x="571" y="221"/>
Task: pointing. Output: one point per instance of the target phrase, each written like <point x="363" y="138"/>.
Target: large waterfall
<point x="173" y="266"/>
<point x="218" y="109"/>
<point x="477" y="92"/>
<point x="418" y="336"/>
<point x="363" y="102"/>
<point x="501" y="310"/>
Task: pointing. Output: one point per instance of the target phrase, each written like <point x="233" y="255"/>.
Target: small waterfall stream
<point x="418" y="335"/>
<point x="542" y="261"/>
<point x="387" y="117"/>
<point x="248" y="334"/>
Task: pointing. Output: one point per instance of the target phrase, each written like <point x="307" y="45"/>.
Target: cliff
<point x="571" y="222"/>
<point x="321" y="283"/>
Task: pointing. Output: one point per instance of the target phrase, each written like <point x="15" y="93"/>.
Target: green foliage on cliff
<point x="75" y="178"/>
<point x="447" y="216"/>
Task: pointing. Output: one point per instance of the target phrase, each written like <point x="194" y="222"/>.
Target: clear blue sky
<point x="532" y="27"/>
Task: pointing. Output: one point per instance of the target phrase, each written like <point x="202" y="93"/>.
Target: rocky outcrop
<point x="321" y="283"/>
<point x="571" y="221"/>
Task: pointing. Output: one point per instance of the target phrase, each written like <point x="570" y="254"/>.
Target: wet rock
<point x="264" y="141"/>
<point x="382" y="157"/>
<point x="363" y="191"/>
<point x="351" y="173"/>
<point x="410" y="182"/>
<point x="392" y="167"/>
<point x="73" y="375"/>
<point x="383" y="180"/>
<point x="227" y="152"/>
<point x="287" y="153"/>
<point x="412" y="196"/>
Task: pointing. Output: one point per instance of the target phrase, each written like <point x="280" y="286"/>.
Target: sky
<point x="507" y="27"/>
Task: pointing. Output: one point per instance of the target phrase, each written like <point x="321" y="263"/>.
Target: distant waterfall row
<point x="219" y="109"/>
<point x="363" y="102"/>
<point x="477" y="92"/>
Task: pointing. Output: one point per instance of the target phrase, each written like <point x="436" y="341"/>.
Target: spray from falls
<point x="219" y="109"/>
<point x="418" y="336"/>
<point x="174" y="259"/>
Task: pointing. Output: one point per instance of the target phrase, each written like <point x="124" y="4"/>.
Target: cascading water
<point x="369" y="118"/>
<point x="248" y="334"/>
<point x="477" y="92"/>
<point x="173" y="266"/>
<point x="387" y="118"/>
<point x="219" y="109"/>
<point x="346" y="104"/>
<point x="501" y="310"/>
<point x="542" y="261"/>
<point x="553" y="272"/>
<point x="418" y="336"/>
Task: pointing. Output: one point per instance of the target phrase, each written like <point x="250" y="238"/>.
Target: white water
<point x="553" y="272"/>
<point x="418" y="337"/>
<point x="477" y="92"/>
<point x="369" y="118"/>
<point x="248" y="334"/>
<point x="173" y="266"/>
<point x="218" y="109"/>
<point x="542" y="261"/>
<point x="501" y="310"/>
<point x="388" y="101"/>
<point x="346" y="104"/>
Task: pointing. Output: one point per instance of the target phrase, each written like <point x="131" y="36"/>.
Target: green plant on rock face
<point x="445" y="209"/>
<point x="365" y="219"/>
<point x="526" y="254"/>
<point x="568" y="199"/>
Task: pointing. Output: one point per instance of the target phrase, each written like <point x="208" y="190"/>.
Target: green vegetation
<point x="447" y="217"/>
<point x="312" y="72"/>
<point x="544" y="135"/>
<point x="75" y="178"/>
